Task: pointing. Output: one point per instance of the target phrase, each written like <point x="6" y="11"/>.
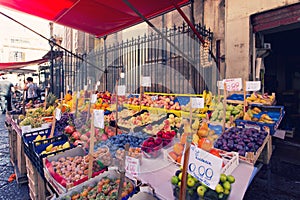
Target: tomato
<point x="69" y="129"/>
<point x="215" y="152"/>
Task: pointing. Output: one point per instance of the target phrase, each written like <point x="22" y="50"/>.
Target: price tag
<point x="99" y="118"/>
<point x="234" y="84"/>
<point x="93" y="98"/>
<point x="253" y="85"/>
<point x="197" y="102"/>
<point x="57" y="114"/>
<point x="154" y="98"/>
<point x="132" y="166"/>
<point x="85" y="87"/>
<point x="121" y="90"/>
<point x="205" y="166"/>
<point x="220" y="85"/>
<point x="146" y="81"/>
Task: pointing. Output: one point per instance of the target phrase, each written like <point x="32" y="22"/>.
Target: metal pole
<point x="51" y="68"/>
<point x="105" y="62"/>
<point x="191" y="60"/>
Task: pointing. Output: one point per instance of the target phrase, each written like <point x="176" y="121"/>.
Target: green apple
<point x="223" y="178"/>
<point x="226" y="185"/>
<point x="226" y="192"/>
<point x="220" y="195"/>
<point x="231" y="179"/>
<point x="179" y="183"/>
<point x="219" y="188"/>
<point x="174" y="180"/>
<point x="180" y="176"/>
<point x="201" y="190"/>
<point x="190" y="182"/>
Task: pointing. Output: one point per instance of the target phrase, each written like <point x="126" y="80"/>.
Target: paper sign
<point x="57" y="114"/>
<point x="146" y="81"/>
<point x="197" y="102"/>
<point x="233" y="84"/>
<point x="78" y="94"/>
<point x="99" y="118"/>
<point x="253" y="85"/>
<point x="154" y="98"/>
<point x="98" y="83"/>
<point x="132" y="166"/>
<point x="220" y="85"/>
<point x="121" y="90"/>
<point x="93" y="98"/>
<point x="85" y="88"/>
<point x="205" y="166"/>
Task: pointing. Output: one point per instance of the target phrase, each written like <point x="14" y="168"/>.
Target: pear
<point x="49" y="147"/>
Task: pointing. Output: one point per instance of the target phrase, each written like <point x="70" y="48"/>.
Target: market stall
<point x="80" y="141"/>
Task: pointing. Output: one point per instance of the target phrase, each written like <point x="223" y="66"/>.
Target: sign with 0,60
<point x="204" y="166"/>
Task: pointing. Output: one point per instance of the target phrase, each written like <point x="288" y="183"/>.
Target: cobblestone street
<point x="8" y="190"/>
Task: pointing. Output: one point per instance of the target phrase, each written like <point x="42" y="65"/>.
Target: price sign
<point x="121" y="90"/>
<point x="154" y="98"/>
<point x="197" y="102"/>
<point x="205" y="166"/>
<point x="78" y="94"/>
<point x="85" y="87"/>
<point x="93" y="98"/>
<point x="57" y="114"/>
<point x="234" y="84"/>
<point x="146" y="81"/>
<point x="220" y="85"/>
<point x="99" y="118"/>
<point x="253" y="85"/>
<point x="132" y="166"/>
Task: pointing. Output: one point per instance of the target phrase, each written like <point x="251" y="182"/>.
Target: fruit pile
<point x="257" y="115"/>
<point x="261" y="98"/>
<point x="51" y="148"/>
<point x="198" y="190"/>
<point x="72" y="169"/>
<point x="151" y="147"/>
<point x="235" y="112"/>
<point x="106" y="188"/>
<point x="118" y="141"/>
<point x="241" y="140"/>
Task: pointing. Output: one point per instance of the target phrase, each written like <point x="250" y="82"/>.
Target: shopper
<point x="31" y="89"/>
<point x="5" y="95"/>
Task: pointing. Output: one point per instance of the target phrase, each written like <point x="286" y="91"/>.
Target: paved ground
<point x="284" y="179"/>
<point x="8" y="190"/>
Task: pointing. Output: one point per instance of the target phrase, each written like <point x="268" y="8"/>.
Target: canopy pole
<point x="158" y="31"/>
<point x="186" y="19"/>
<point x="50" y="41"/>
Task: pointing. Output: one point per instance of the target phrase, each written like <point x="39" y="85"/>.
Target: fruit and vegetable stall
<point x="98" y="145"/>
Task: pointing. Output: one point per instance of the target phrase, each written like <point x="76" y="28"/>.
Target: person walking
<point x="31" y="89"/>
<point x="5" y="95"/>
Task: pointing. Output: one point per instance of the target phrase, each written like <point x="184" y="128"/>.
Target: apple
<point x="76" y="135"/>
<point x="190" y="182"/>
<point x="201" y="190"/>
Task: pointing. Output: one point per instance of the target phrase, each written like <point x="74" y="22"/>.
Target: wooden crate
<point x="12" y="138"/>
<point x="266" y="154"/>
<point x="21" y="164"/>
<point x="36" y="183"/>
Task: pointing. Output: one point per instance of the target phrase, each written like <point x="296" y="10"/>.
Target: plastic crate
<point x="43" y="144"/>
<point x="28" y="138"/>
<point x="275" y="112"/>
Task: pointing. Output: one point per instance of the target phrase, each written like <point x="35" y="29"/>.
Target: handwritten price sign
<point x="99" y="118"/>
<point x="253" y="85"/>
<point x="121" y="90"/>
<point x="132" y="166"/>
<point x="233" y="84"/>
<point x="205" y="166"/>
<point x="146" y="81"/>
<point x="197" y="102"/>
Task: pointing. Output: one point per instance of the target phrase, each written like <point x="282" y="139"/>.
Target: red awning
<point x="18" y="65"/>
<point x="98" y="17"/>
